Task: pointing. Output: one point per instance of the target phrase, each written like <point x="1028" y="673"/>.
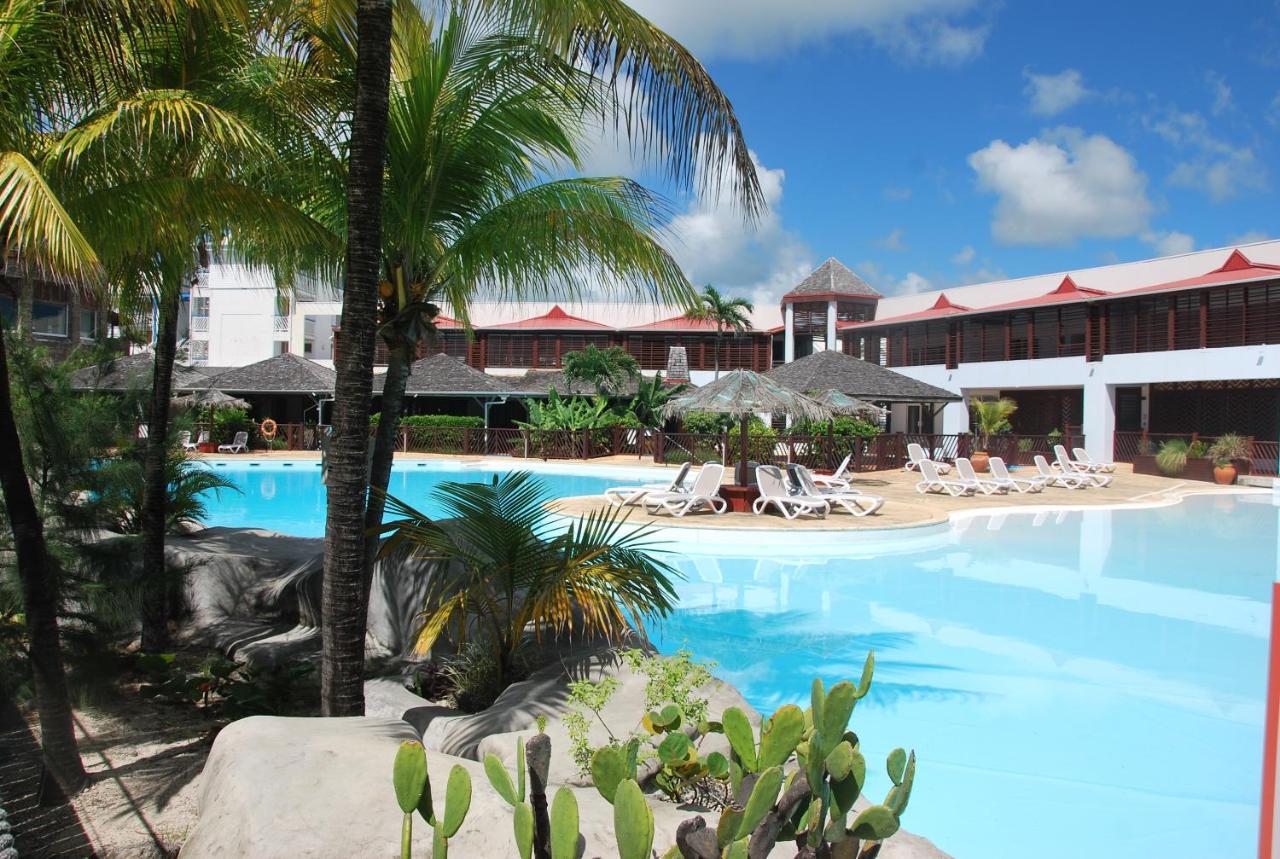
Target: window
<point x="8" y="310"/>
<point x="49" y="319"/>
<point x="88" y="324"/>
<point x="200" y="306"/>
<point x="198" y="350"/>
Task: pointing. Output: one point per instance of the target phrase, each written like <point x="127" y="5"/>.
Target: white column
<point x="789" y="334"/>
<point x="832" y="343"/>
<point x="1099" y="424"/>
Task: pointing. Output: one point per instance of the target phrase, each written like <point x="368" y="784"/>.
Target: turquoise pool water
<point x="1074" y="684"/>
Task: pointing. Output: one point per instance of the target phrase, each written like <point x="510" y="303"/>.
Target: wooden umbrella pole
<point x="742" y="453"/>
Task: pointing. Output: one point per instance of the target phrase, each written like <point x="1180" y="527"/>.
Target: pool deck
<point x="906" y="508"/>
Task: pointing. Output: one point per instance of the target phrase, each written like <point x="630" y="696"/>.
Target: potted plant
<point x="990" y="417"/>
<point x="1172" y="457"/>
<point x="1225" y="452"/>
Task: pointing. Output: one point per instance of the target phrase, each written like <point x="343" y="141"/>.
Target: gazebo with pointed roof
<point x="814" y="309"/>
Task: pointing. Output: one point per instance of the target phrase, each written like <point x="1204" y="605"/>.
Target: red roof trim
<point x="554" y="319"/>
<point x="792" y="297"/>
<point x="1237" y="268"/>
<point x="943" y="306"/>
<point x="678" y="323"/>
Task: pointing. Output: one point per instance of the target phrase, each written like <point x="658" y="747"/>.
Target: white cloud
<point x="1050" y="95"/>
<point x="929" y="31"/>
<point x="911" y="284"/>
<point x="965" y="255"/>
<point x="1250" y="237"/>
<point x="716" y="245"/>
<point x="891" y="284"/>
<point x="1213" y="165"/>
<point x="1169" y="242"/>
<point x="896" y="194"/>
<point x="1222" y="98"/>
<point x="893" y="241"/>
<point x="1062" y="186"/>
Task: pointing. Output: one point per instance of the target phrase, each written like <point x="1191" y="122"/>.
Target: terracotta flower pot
<point x="1224" y="475"/>
<point x="981" y="460"/>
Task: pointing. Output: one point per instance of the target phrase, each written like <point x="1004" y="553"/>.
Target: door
<point x="1129" y="409"/>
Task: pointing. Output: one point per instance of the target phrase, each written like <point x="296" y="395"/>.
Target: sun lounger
<point x="839" y="479"/>
<point x="1087" y="462"/>
<point x="1001" y="476"/>
<point x="702" y="495"/>
<point x="773" y="493"/>
<point x="915" y="455"/>
<point x="1065" y="479"/>
<point x="851" y="501"/>
<point x="624" y="496"/>
<point x="239" y="444"/>
<point x="966" y="474"/>
<point x="1068" y="466"/>
<point x="930" y="481"/>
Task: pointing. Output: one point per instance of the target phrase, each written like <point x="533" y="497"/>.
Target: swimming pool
<point x="1074" y="683"/>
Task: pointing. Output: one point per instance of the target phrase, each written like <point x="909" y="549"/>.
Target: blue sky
<point x="929" y="143"/>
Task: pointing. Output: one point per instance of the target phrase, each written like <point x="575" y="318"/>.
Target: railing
<point x="1263" y="457"/>
<point x="300" y="436"/>
<point x="199" y="323"/>
<point x="280" y="324"/>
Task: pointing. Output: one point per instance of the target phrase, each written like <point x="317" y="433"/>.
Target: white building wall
<point x="1098" y="379"/>
<point x="242" y="314"/>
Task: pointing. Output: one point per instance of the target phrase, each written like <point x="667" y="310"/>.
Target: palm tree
<point x="605" y="369"/>
<point x="191" y="139"/>
<point x="36" y="86"/>
<point x="728" y="314"/>
<point x="688" y="123"/>
<point x="651" y="396"/>
<point x="991" y="417"/>
<point x="516" y="573"/>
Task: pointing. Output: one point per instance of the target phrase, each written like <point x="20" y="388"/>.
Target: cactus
<point x="632" y="822"/>
<point x="564" y="825"/>
<point x="513" y="793"/>
<point x="412" y="785"/>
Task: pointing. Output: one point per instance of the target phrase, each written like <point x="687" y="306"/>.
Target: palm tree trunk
<point x="399" y="365"/>
<point x="40" y="601"/>
<point x="345" y="594"/>
<point x="155" y="495"/>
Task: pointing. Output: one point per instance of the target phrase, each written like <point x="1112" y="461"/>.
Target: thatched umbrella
<point x="741" y="394"/>
<point x="210" y="398"/>
<point x="842" y="404"/>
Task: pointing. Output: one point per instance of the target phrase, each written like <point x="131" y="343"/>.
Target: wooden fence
<point x="1262" y="458"/>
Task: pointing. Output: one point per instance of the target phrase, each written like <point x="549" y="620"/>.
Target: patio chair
<point x="1066" y="465"/>
<point x="930" y="481"/>
<point x="1087" y="462"/>
<point x="851" y="501"/>
<point x="773" y="493"/>
<point x="1001" y="476"/>
<point x="184" y="439"/>
<point x="239" y="444"/>
<point x="702" y="495"/>
<point x="1065" y="479"/>
<point x="143" y="431"/>
<point x="966" y="474"/>
<point x="915" y="455"/>
<point x="626" y="496"/>
<point x="838" y="479"/>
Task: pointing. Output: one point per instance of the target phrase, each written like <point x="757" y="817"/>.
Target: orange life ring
<point x="268" y="429"/>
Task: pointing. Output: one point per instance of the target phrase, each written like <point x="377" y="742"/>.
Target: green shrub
<point x="1197" y="450"/>
<point x="1229" y="448"/>
<point x="1172" y="458"/>
<point x="228" y="422"/>
<point x="452" y="421"/>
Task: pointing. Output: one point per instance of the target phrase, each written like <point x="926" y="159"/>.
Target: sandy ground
<point x="142" y="758"/>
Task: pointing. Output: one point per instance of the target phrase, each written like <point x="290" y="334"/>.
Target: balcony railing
<point x="199" y="323"/>
<point x="280" y="324"/>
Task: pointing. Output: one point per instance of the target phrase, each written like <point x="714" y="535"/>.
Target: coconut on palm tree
<point x="728" y="314"/>
<point x="990" y="417"/>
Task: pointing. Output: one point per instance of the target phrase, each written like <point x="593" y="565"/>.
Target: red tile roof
<point x="676" y="323"/>
<point x="1237" y="269"/>
<point x="940" y="308"/>
<point x="554" y="319"/>
<point x="1064" y="293"/>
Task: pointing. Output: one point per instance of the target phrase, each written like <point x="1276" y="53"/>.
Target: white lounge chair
<point x="839" y="479"/>
<point x="1068" y="466"/>
<point x="143" y="431"/>
<point x="625" y="496"/>
<point x="930" y="481"/>
<point x="851" y="501"/>
<point x="184" y="439"/>
<point x="1000" y="475"/>
<point x="773" y="493"/>
<point x="915" y="455"/>
<point x="1065" y="479"/>
<point x="1087" y="462"/>
<point x="966" y="474"/>
<point x="239" y="444"/>
<point x="703" y="494"/>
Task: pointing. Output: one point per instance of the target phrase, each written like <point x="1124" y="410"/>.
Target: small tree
<point x="728" y="314"/>
<point x="991" y="417"/>
<point x="651" y="396"/>
<point x="604" y="369"/>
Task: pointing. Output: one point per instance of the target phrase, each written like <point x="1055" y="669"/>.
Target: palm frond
<point x="34" y="222"/>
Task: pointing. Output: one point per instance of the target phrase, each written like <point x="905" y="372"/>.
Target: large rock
<point x="281" y="788"/>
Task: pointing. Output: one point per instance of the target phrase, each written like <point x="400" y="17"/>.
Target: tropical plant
<point x="688" y="122"/>
<point x="1228" y="448"/>
<point x="122" y="491"/>
<point x="413" y="793"/>
<point x="728" y="315"/>
<point x="606" y="370"/>
<point x="508" y="571"/>
<point x="651" y="396"/>
<point x="991" y="417"/>
<point x="1172" y="457"/>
